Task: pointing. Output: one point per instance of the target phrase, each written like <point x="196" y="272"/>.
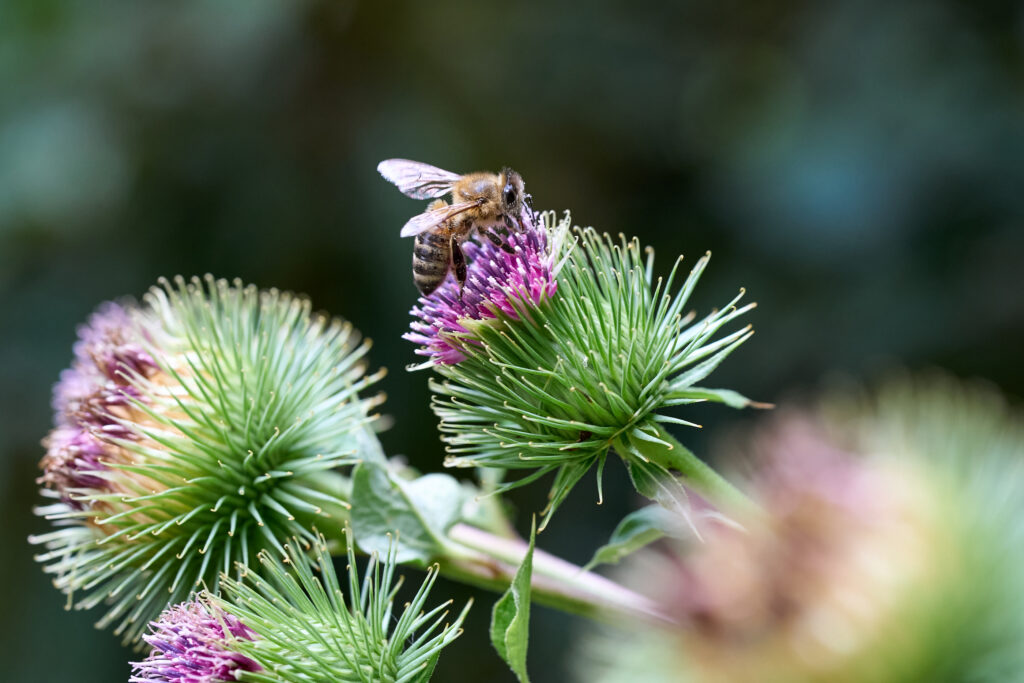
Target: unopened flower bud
<point x="192" y="431"/>
<point x="289" y="620"/>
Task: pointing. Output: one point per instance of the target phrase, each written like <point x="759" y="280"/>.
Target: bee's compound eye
<point x="510" y="194"/>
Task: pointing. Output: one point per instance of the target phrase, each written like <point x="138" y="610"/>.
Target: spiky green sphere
<point x="289" y="620"/>
<point x="592" y="368"/>
<point x="192" y="432"/>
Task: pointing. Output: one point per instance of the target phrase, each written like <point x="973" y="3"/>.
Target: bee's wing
<point x="416" y="180"/>
<point x="431" y="219"/>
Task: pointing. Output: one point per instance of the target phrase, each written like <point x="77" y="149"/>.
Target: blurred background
<point x="858" y="166"/>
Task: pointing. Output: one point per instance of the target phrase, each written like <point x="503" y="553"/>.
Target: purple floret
<point x="497" y="282"/>
<point x="108" y="355"/>
<point x="108" y="351"/>
<point x="109" y="341"/>
<point x="73" y="455"/>
<point x="192" y="643"/>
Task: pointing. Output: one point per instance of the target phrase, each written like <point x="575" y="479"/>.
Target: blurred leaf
<point x="635" y="531"/>
<point x="510" y="621"/>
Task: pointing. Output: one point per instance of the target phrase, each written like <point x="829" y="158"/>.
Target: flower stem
<point x="477" y="557"/>
<point x="491" y="562"/>
<point x="694" y="473"/>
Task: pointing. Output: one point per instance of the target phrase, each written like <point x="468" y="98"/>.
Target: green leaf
<point x="418" y="512"/>
<point x="438" y="497"/>
<point x="636" y="530"/>
<point x="510" y="621"/>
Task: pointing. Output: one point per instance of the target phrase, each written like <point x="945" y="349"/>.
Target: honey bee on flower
<point x="482" y="202"/>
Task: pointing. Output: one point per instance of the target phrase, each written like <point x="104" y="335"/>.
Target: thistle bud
<point x="192" y="431"/>
<point x="561" y="351"/>
<point x="289" y="621"/>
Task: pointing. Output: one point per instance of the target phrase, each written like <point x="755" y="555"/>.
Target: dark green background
<point x="857" y="166"/>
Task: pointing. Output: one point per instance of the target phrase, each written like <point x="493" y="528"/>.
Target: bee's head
<point x="512" y="192"/>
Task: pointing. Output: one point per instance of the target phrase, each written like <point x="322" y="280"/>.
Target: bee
<point x="482" y="202"/>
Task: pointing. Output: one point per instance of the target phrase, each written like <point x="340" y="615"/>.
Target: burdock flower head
<point x="565" y="347"/>
<point x="290" y="622"/>
<point x="889" y="549"/>
<point x="191" y="432"/>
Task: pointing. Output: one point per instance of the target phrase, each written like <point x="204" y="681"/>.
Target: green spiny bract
<point x="306" y="631"/>
<point x="290" y="621"/>
<point x="220" y="446"/>
<point x="590" y="369"/>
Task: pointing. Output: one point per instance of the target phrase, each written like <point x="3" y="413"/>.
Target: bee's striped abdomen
<point x="430" y="258"/>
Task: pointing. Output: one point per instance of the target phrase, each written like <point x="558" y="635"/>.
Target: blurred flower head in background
<point x="889" y="550"/>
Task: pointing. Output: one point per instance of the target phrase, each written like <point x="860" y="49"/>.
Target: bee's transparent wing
<point x="431" y="219"/>
<point x="417" y="180"/>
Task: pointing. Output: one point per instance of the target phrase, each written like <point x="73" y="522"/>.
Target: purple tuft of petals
<point x="504" y="280"/>
<point x="108" y="354"/>
<point x="192" y="643"/>
<point x="73" y="455"/>
<point x="110" y="342"/>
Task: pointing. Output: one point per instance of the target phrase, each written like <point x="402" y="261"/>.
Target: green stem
<point x="481" y="558"/>
<point x="693" y="472"/>
<point x="488" y="561"/>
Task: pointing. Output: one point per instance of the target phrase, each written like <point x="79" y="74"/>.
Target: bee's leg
<point x="491" y="235"/>
<point x="458" y="263"/>
<point x="497" y="241"/>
